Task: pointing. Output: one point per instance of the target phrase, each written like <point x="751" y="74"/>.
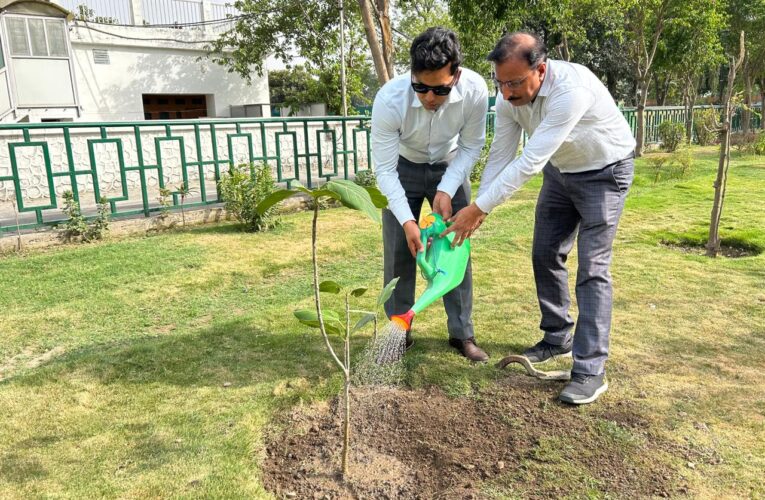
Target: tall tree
<point x="375" y="15"/>
<point x="305" y="28"/>
<point x="690" y="47"/>
<point x="645" y="21"/>
<point x="412" y="18"/>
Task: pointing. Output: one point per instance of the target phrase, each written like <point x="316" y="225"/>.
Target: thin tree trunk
<point x="347" y="389"/>
<point x="316" y="294"/>
<point x="383" y="9"/>
<point x="720" y="185"/>
<point x="565" y="51"/>
<point x="18" y="227"/>
<point x="343" y="90"/>
<point x="640" y="132"/>
<point x="746" y="115"/>
<point x="374" y="45"/>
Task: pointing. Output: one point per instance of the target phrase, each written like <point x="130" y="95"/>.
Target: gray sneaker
<point x="543" y="351"/>
<point x="583" y="389"/>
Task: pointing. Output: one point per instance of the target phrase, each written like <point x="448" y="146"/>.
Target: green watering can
<point x="443" y="266"/>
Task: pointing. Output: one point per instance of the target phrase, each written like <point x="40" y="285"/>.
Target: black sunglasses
<point x="439" y="90"/>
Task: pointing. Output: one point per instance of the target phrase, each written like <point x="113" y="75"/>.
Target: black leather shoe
<point x="469" y="349"/>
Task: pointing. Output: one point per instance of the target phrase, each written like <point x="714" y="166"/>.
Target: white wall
<point x="114" y="91"/>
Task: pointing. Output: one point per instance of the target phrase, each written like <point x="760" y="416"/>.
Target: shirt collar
<point x="454" y="96"/>
<point x="544" y="90"/>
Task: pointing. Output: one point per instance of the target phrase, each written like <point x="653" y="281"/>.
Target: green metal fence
<point x="128" y="162"/>
<point x="655" y="116"/>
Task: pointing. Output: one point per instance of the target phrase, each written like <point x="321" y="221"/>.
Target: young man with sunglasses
<point x="428" y="128"/>
<point x="581" y="142"/>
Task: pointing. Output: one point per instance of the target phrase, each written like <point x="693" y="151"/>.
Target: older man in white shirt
<point x="428" y="128"/>
<point x="581" y="142"/>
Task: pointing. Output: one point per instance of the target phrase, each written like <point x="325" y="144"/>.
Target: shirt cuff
<point x="485" y="204"/>
<point x="402" y="213"/>
<point x="450" y="186"/>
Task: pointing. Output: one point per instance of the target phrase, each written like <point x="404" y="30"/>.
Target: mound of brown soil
<point x="424" y="444"/>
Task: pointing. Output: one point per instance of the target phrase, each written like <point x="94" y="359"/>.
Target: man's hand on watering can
<point x="442" y="205"/>
<point x="464" y="223"/>
<point x="412" y="232"/>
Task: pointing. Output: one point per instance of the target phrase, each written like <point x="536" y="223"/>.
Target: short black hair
<point x="435" y="48"/>
<point x="516" y="45"/>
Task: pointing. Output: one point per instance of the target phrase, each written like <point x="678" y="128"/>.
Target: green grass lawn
<point x="153" y="366"/>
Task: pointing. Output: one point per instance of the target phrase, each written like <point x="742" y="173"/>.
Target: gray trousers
<point x="586" y="205"/>
<point x="420" y="181"/>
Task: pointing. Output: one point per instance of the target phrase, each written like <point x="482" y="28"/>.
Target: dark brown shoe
<point x="469" y="349"/>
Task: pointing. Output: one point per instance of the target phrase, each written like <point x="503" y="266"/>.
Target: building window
<point x="17" y="36"/>
<point x="37" y="37"/>
<point x="174" y="106"/>
<point x="2" y="57"/>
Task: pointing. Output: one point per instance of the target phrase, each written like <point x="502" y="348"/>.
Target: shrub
<point x="77" y="228"/>
<point x="705" y="126"/>
<point x="671" y="135"/>
<point x="657" y="165"/>
<point x="242" y="189"/>
<point x="365" y="178"/>
<point x="751" y="143"/>
<point x="684" y="158"/>
<point x="480" y="165"/>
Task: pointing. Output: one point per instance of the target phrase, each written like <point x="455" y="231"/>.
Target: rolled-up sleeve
<point x="564" y="111"/>
<point x="469" y="143"/>
<point x="386" y="124"/>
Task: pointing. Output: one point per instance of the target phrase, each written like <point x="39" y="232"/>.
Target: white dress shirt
<point x="573" y="123"/>
<point x="402" y="126"/>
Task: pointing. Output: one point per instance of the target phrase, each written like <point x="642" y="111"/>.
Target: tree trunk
<point x="689" y="100"/>
<point x="383" y="9"/>
<point x="374" y="45"/>
<point x="347" y="388"/>
<point x="640" y="132"/>
<point x="565" y="51"/>
<point x="713" y="244"/>
<point x="746" y="115"/>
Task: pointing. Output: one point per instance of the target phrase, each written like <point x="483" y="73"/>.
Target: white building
<point x="132" y="60"/>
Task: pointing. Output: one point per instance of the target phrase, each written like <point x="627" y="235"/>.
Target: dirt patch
<point x="729" y="251"/>
<point x="26" y="360"/>
<point x="511" y="437"/>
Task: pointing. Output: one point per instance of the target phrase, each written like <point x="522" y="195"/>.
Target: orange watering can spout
<point x="404" y="321"/>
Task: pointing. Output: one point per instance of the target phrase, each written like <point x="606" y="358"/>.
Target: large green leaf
<point x="354" y="196"/>
<point x="358" y="292"/>
<point x="332" y="323"/>
<point x="387" y="292"/>
<point x="329" y="287"/>
<point x="274" y="198"/>
<point x="314" y="193"/>
<point x="363" y="321"/>
<point x="377" y="197"/>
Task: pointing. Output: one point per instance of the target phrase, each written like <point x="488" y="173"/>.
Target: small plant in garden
<point x="706" y="126"/>
<point x="671" y="135"/>
<point x="683" y="156"/>
<point x="77" y="227"/>
<point x="368" y="200"/>
<point x="365" y="178"/>
<point x="657" y="164"/>
<point x="477" y="172"/>
<point x="100" y="224"/>
<point x="243" y="189"/>
<point x="183" y="191"/>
